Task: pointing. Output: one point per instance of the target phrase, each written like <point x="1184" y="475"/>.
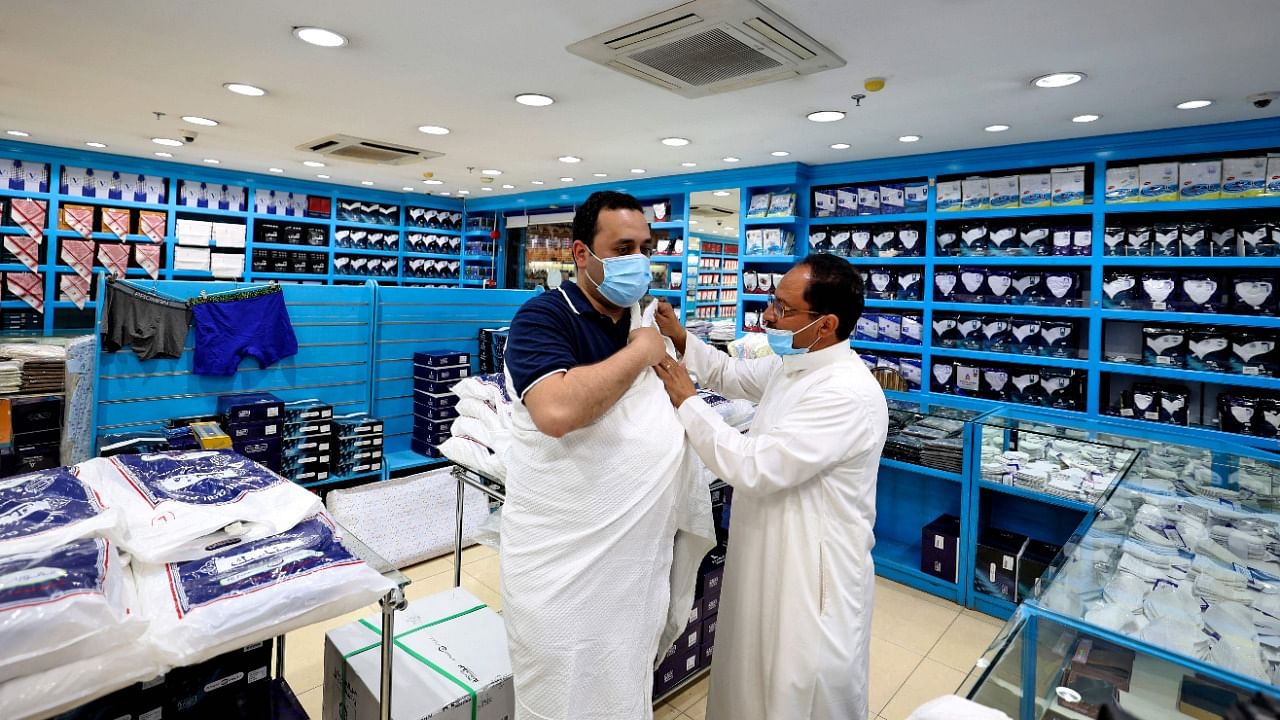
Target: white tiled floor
<point x="921" y="646"/>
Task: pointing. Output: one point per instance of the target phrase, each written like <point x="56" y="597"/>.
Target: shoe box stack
<point x="434" y="403"/>
<point x="36" y="424"/>
<point x="1009" y="564"/>
<point x="307" y="446"/>
<point x="493" y="344"/>
<point x="358" y="442"/>
<point x="255" y="423"/>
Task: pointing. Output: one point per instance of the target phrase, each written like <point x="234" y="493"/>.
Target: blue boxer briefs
<point x="231" y="326"/>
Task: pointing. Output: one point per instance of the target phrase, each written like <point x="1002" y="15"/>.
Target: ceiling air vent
<point x="707" y="47"/>
<point x="375" y="152"/>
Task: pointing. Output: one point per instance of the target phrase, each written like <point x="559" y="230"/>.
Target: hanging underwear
<point x="249" y="323"/>
<point x="151" y="326"/>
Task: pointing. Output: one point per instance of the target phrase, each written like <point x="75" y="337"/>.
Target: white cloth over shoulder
<point x="180" y="506"/>
<point x="794" y="629"/>
<point x="587" y="555"/>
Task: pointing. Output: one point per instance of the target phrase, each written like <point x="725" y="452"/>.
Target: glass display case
<point x="929" y="435"/>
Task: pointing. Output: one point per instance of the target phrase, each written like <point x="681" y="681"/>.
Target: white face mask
<point x="946" y="283"/>
<point x="1254" y="293"/>
<point x="1200" y="291"/>
<point x="1060" y="285"/>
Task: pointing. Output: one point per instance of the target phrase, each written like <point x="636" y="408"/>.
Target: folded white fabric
<point x="64" y="603"/>
<point x="474" y="429"/>
<point x="48" y="508"/>
<point x="202" y="608"/>
<point x="181" y="506"/>
<point x="492" y="417"/>
<point x="953" y="707"/>
<point x="472" y="454"/>
<point x="48" y="693"/>
<point x="486" y="388"/>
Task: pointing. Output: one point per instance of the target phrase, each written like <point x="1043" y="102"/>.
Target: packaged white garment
<point x="62" y="604"/>
<point x="203" y="608"/>
<point x="186" y="505"/>
<point x="48" y="508"/>
<point x="471" y="453"/>
<point x="54" y="691"/>
<point x="485" y="413"/>
<point x="952" y="707"/>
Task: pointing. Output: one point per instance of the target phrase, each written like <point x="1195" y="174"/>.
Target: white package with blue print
<point x="48" y="508"/>
<point x="181" y="506"/>
<point x="61" y="604"/>
<point x="70" y="685"/>
<point x="202" y="608"/>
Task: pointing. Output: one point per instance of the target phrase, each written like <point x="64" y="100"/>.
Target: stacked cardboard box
<point x="255" y="422"/>
<point x="435" y="406"/>
<point x="357" y="441"/>
<point x="307" y="448"/>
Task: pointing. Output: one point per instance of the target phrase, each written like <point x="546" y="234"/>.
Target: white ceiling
<point x="78" y="70"/>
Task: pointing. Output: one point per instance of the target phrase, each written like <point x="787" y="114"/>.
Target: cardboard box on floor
<point x="450" y="653"/>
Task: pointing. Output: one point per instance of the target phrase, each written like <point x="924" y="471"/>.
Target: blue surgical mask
<point x="626" y="279"/>
<point x="781" y="340"/>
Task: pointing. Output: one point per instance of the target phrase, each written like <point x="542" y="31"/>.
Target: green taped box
<point x="450" y="662"/>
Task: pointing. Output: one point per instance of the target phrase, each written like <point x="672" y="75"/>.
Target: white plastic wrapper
<point x="202" y="608"/>
<point x="48" y="508"/>
<point x="60" y="689"/>
<point x="64" y="604"/>
<point x="180" y="506"/>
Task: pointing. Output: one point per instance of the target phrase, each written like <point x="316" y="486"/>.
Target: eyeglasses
<point x="782" y="311"/>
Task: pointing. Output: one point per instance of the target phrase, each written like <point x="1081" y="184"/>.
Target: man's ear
<point x="830" y="325"/>
<point x="581" y="253"/>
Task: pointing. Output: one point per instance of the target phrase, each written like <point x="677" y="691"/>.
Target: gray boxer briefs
<point x="151" y="326"/>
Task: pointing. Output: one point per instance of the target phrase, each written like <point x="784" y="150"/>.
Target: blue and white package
<point x="1120" y="289"/>
<point x="882" y="285"/>
<point x="824" y="202"/>
<point x="1000" y="286"/>
<point x="63" y="603"/>
<point x="893" y="199"/>
<point x="1028" y="287"/>
<point x="1004" y="240"/>
<point x="860" y="243"/>
<point x="970" y="329"/>
<point x="890" y="327"/>
<point x="910" y="286"/>
<point x="997" y="335"/>
<point x="945" y="283"/>
<point x="180" y="506"/>
<point x="1026" y="336"/>
<point x="912" y="330"/>
<point x="973" y="285"/>
<point x="974" y="240"/>
<point x="909" y="238"/>
<point x="203" y="608"/>
<point x="917" y="196"/>
<point x="946" y="331"/>
<point x="911" y="371"/>
<point x="846" y="201"/>
<point x="867" y="328"/>
<point x="47" y="508"/>
<point x="948" y="242"/>
<point x="1062" y="288"/>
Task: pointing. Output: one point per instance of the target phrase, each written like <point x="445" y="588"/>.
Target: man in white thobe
<point x="795" y="619"/>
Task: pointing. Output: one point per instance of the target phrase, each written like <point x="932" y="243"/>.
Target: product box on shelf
<point x="996" y="562"/>
<point x="940" y="548"/>
<point x="1005" y="192"/>
<point x="265" y="452"/>
<point x="308" y="429"/>
<point x="976" y="193"/>
<point x="1244" y="177"/>
<point x="1035" y="190"/>
<point x="1200" y="180"/>
<point x="1158" y="182"/>
<point x="441" y="358"/>
<point x="250" y="431"/>
<point x="1273" y="174"/>
<point x="846" y="201"/>
<point x="824" y="203"/>
<point x="36" y="414"/>
<point x="917" y="196"/>
<point x="678" y="664"/>
<point x="893" y="199"/>
<point x="1068" y="186"/>
<point x="459" y="638"/>
<point x="869" y="200"/>
<point x="250" y="407"/>
<point x="307" y="410"/>
<point x="950" y="196"/>
<point x="424" y="376"/>
<point x="1035" y="559"/>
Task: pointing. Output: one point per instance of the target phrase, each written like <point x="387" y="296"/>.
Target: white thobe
<point x="794" y="629"/>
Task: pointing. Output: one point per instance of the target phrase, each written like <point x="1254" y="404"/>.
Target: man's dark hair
<point x="834" y="288"/>
<point x="584" y="221"/>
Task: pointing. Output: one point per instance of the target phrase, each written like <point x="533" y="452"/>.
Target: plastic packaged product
<point x="1208" y="350"/>
<point x="1158" y="182"/>
<point x="976" y="193"/>
<point x="1244" y="177"/>
<point x="1000" y="286"/>
<point x="1174" y="405"/>
<point x="917" y="196"/>
<point x="1028" y="287"/>
<point x="1223" y="242"/>
<point x="997" y="335"/>
<point x="1062" y="388"/>
<point x="950" y="196"/>
<point x="867" y="328"/>
<point x="995" y="383"/>
<point x="1200" y="292"/>
<point x="187" y="505"/>
<point x="1138" y="241"/>
<point x="819" y="241"/>
<point x="943" y="378"/>
<point x="1004" y="240"/>
<point x="1254" y="353"/>
<point x="1122" y="184"/>
<point x="910" y="240"/>
<point x="911" y="371"/>
<point x="912" y="330"/>
<point x="1267" y="419"/>
<point x="968" y="379"/>
<point x="1081" y="242"/>
<point x="948" y="242"/>
<point x="973" y="285"/>
<point x="970" y="331"/>
<point x="1164" y="346"/>
<point x="1158" y="287"/>
<point x="749" y="283"/>
<point x="48" y="508"/>
<point x="1194" y="239"/>
<point x="202" y="608"/>
<point x="1062" y="241"/>
<point x="882" y="284"/>
<point x="824" y="203"/>
<point x="1058" y="339"/>
<point x="890" y="327"/>
<point x="869" y="200"/>
<point x="1035" y="190"/>
<point x="910" y="286"/>
<point x="1253" y="294"/>
<point x="65" y="688"/>
<point x="860" y="243"/>
<point x="1004" y="192"/>
<point x="946" y="330"/>
<point x="885" y="242"/>
<point x="1255" y="239"/>
<point x="1026" y="336"/>
<point x="1026" y="388"/>
<point x="1036" y="240"/>
<point x="975" y="240"/>
<point x="1166" y="239"/>
<point x="1113" y="240"/>
<point x="60" y="604"/>
<point x="945" y="285"/>
<point x="1200" y="180"/>
<point x="1236" y="413"/>
<point x="841" y="244"/>
<point x="1061" y="287"/>
<point x="764" y="283"/>
<point x="893" y="199"/>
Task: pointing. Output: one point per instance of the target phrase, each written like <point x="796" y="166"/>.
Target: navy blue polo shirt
<point x="558" y="331"/>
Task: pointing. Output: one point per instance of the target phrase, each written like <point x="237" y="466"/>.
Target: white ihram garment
<point x="794" y="627"/>
<point x="588" y="580"/>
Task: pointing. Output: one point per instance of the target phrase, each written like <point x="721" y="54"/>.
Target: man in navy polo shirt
<point x="589" y="519"/>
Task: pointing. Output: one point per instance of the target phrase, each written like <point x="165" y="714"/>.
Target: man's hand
<point x="669" y="323"/>
<point x="676" y="377"/>
<point x="648" y="343"/>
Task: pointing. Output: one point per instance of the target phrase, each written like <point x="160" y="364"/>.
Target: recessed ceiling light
<point x="366" y="182"/>
<point x="637" y="171"/>
<point x="433" y="182"/>
<point x="536" y="182"/>
<point x="1194" y="104"/>
<point x="197" y="120"/>
<point x="406" y="188"/>
<point x="688" y="164"/>
<point x="491" y="173"/>
<point x="464" y="192"/>
<point x="1058" y="80"/>
<point x="721" y="193"/>
<point x="19" y="133"/>
<point x="486" y="189"/>
<point x="731" y="159"/>
<point x="96" y="144"/>
<point x="243" y="89"/>
<point x="693" y="222"/>
<point x="275" y="170"/>
<point x="996" y="128"/>
<point x="566" y="179"/>
<point x="909" y="138"/>
<point x="675" y="141"/>
<point x="570" y="159"/>
<point x="433" y="129"/>
<point x="825" y="116"/>
<point x="599" y="174"/>
<point x="534" y="99"/>
<point x="213" y="161"/>
<point x="840" y="146"/>
<point x="779" y="153"/>
<point x="1085" y="118"/>
<point x="312" y="163"/>
<point x="508" y="187"/>
<point x="164" y="154"/>
<point x="445" y="192"/>
<point x="319" y="36"/>
<point x="167" y="142"/>
<point x="322" y="176"/>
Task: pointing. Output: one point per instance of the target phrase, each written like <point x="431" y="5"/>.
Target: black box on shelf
<point x="423" y="447"/>
<point x="268" y="232"/>
<point x="235" y="684"/>
<point x="940" y="548"/>
<point x="265" y="452"/>
<point x="442" y="358"/>
<point x="29" y="458"/>
<point x="423" y="374"/>
<point x="356" y="424"/>
<point x="250" y="407"/>
<point x="996" y="562"/>
<point x="309" y="429"/>
<point x="1035" y="559"/>
<point x="319" y="443"/>
<point x="251" y="431"/>
<point x="36" y="414"/>
<point x="306" y="410"/>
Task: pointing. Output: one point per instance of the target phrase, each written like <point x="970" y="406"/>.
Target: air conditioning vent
<point x="375" y="152"/>
<point x="707" y="47"/>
